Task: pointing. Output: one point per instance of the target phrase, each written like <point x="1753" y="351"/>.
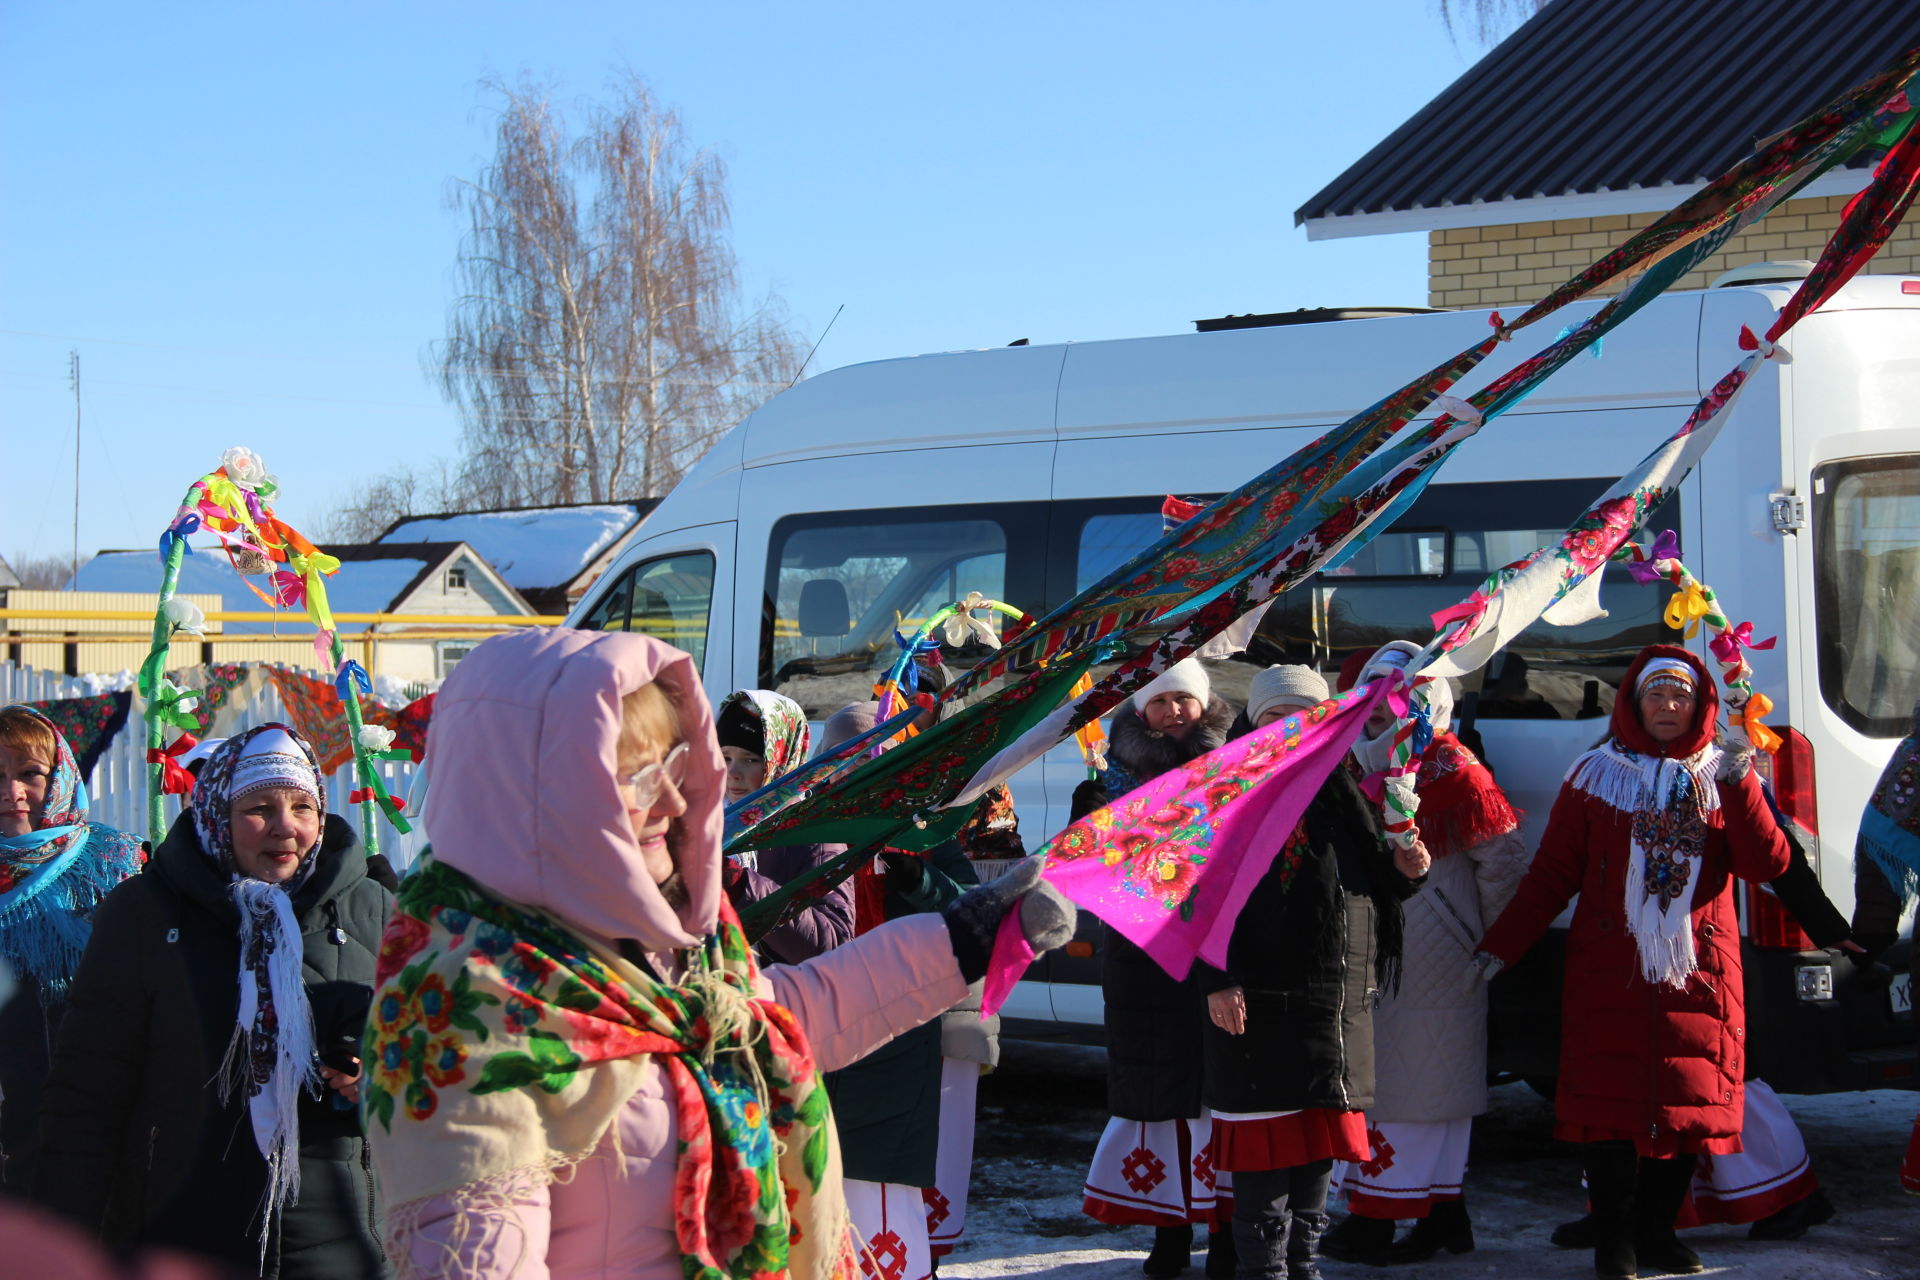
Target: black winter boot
<point x="1172" y="1252"/>
<point x="1446" y="1226"/>
<point x="1577" y="1234"/>
<point x="1262" y="1210"/>
<point x="1358" y="1239"/>
<point x="1612" y="1169"/>
<point x="1222" y="1258"/>
<point x="1303" y="1245"/>
<point x="1660" y="1191"/>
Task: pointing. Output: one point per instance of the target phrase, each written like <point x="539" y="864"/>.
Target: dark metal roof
<point x="1593" y="95"/>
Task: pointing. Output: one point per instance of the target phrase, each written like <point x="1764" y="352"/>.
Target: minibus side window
<point x="840" y="585"/>
<point x="1432" y="557"/>
<point x="1866" y="529"/>
<point x="668" y="598"/>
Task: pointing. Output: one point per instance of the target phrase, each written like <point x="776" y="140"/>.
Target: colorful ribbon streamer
<point x="174" y="780"/>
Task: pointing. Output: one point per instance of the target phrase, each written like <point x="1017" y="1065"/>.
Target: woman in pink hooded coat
<point x="576" y="1069"/>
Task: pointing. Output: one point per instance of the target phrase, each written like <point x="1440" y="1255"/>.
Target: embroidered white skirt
<point x="890" y="1230"/>
<point x="1157" y="1173"/>
<point x="1770" y="1172"/>
<point x="1412" y="1165"/>
<point x="953" y="1162"/>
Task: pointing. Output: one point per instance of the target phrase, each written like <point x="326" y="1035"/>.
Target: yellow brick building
<point x="1575" y="131"/>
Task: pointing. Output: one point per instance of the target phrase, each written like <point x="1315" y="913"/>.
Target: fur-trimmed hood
<point x="1146" y="753"/>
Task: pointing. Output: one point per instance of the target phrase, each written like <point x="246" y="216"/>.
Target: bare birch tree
<point x="598" y="344"/>
<point x="1488" y="21"/>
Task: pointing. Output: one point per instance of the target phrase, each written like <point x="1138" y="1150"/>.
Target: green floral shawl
<point x="500" y="1044"/>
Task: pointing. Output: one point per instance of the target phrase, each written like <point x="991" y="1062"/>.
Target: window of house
<point x="448" y="654"/>
<point x="457" y="578"/>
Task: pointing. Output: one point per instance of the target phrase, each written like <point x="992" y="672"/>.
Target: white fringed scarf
<point x="270" y="1059"/>
<point x="1669" y="802"/>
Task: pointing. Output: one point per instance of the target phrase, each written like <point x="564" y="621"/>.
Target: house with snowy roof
<point x="431" y="579"/>
<point x="1596" y="116"/>
<point x="550" y="555"/>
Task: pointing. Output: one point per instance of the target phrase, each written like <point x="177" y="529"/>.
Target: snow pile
<point x="531" y="549"/>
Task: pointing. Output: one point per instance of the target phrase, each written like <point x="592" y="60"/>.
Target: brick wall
<point x="1495" y="266"/>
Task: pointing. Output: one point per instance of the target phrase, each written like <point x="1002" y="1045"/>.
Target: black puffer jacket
<point x="1309" y="950"/>
<point x="136" y="1144"/>
<point x="1153" y="1022"/>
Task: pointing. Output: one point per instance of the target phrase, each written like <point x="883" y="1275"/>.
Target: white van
<point x="871" y="494"/>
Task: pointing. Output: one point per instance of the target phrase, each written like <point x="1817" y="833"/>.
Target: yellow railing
<point x="402" y="628"/>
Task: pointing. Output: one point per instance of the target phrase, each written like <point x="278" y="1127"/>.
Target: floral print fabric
<point x="498" y="1042"/>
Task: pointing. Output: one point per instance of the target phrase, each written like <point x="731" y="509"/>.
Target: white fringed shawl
<point x="1668" y="802"/>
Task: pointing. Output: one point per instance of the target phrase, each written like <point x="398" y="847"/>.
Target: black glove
<point x="1088" y="796"/>
<point x="906" y="874"/>
<point x="973" y="919"/>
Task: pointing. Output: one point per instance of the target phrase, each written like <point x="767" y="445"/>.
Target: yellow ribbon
<point x="1091" y="737"/>
<point x="1763" y="738"/>
<point x="310" y="567"/>
<point x="1686" y="608"/>
<point x="223" y="492"/>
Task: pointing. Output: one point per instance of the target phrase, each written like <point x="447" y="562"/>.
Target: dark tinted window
<point x="1548" y="672"/>
<point x="839" y="586"/>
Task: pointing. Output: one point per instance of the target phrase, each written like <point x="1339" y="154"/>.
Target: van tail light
<point x="1790" y="771"/>
<point x="1793" y="780"/>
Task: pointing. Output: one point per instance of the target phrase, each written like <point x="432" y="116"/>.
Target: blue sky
<point x="237" y="214"/>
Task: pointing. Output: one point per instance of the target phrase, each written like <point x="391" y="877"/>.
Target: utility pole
<point x="73" y="376"/>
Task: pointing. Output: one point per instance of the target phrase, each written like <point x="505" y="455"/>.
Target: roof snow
<point x="533" y="548"/>
<point x="361" y="586"/>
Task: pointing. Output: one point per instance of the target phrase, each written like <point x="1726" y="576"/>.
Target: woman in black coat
<point x="204" y="1081"/>
<point x="1150" y="1167"/>
<point x="1289" y="1037"/>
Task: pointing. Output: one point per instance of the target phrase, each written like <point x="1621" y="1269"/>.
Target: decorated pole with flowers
<point x="231" y="503"/>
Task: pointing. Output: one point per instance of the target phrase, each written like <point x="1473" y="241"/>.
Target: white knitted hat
<point x="1296" y="685"/>
<point x="1184" y="676"/>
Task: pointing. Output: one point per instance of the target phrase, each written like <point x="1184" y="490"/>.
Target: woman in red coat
<point x="1649" y="829"/>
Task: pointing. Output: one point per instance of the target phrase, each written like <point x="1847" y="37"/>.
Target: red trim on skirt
<point x="1702" y="1211"/>
<point x="1281" y="1142"/>
<point x="1662" y="1146"/>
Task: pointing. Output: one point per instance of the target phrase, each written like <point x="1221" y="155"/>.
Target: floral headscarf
<point x="271" y="1058"/>
<point x="784" y="735"/>
<point x="54" y="877"/>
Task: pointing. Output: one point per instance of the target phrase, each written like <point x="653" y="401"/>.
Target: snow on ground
<point x="542" y="547"/>
<point x="1041" y="1113"/>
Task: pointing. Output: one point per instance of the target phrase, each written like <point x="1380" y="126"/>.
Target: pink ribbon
<point x="1727" y="645"/>
<point x="1012" y="953"/>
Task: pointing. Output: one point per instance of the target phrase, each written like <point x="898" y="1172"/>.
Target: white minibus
<point x="868" y="495"/>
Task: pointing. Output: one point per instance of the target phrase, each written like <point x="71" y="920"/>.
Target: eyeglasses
<point x="647" y="781"/>
<point x="1668" y="695"/>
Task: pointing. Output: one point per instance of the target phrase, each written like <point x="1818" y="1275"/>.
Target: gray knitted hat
<point x="1301" y="686"/>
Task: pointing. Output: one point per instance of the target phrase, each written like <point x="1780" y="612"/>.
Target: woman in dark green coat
<point x="204" y="1082"/>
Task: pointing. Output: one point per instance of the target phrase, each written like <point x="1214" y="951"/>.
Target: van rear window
<point x="1866" y="529"/>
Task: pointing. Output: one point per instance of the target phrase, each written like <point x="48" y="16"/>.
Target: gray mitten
<point x="1046" y="918"/>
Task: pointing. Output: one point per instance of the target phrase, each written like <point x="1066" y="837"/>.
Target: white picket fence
<point x="118" y="786"/>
